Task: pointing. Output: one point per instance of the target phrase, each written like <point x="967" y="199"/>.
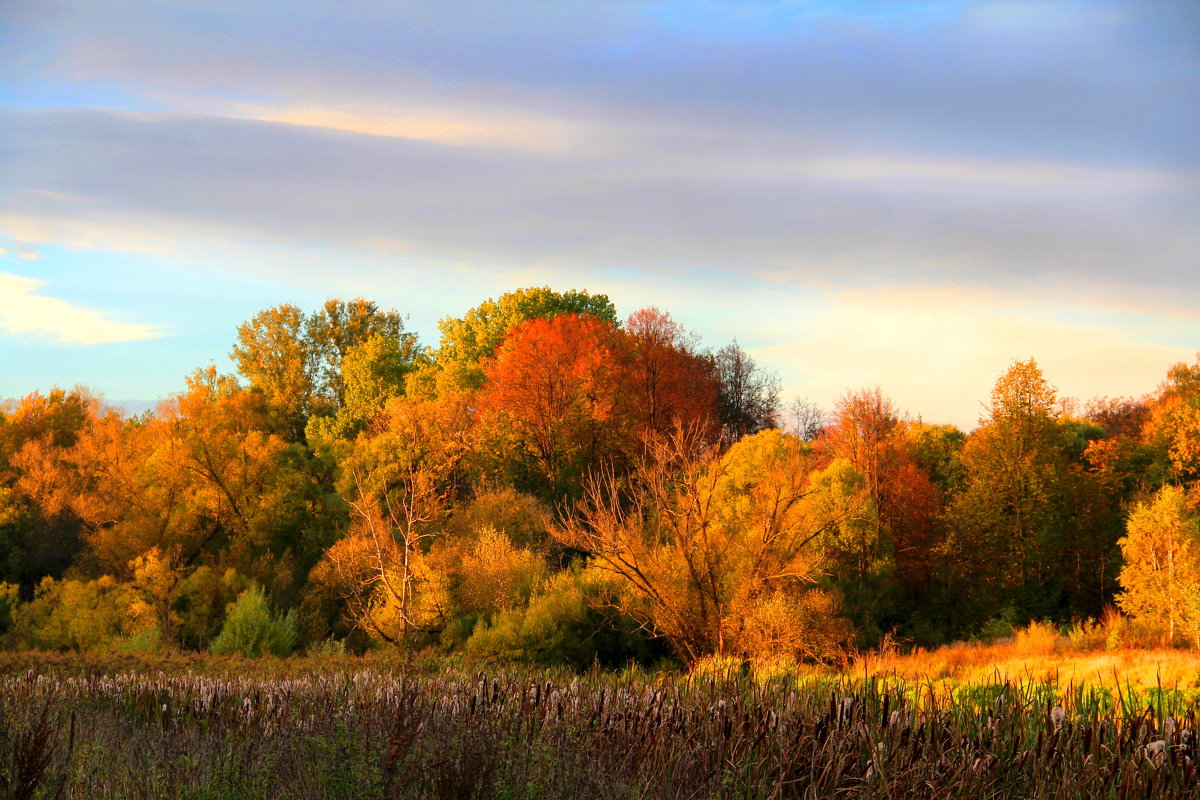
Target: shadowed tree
<point x="748" y="396"/>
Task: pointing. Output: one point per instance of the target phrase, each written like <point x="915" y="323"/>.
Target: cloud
<point x="453" y="126"/>
<point x="636" y="201"/>
<point x="23" y="311"/>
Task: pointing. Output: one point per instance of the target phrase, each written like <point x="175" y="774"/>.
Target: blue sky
<point x="902" y="194"/>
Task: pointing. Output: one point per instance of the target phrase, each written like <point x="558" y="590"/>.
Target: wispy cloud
<point x="24" y="311"/>
<point x="464" y="127"/>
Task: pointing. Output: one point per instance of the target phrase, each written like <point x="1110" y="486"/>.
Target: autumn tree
<point x="1173" y="426"/>
<point x="867" y="431"/>
<point x="671" y="383"/>
<point x="712" y="546"/>
<point x="295" y="359"/>
<point x="557" y="401"/>
<point x="748" y="396"/>
<point x="39" y="534"/>
<point x="401" y="482"/>
<point x="1160" y="581"/>
<point x="468" y="341"/>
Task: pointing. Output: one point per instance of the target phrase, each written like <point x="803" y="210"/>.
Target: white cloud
<point x="23" y="311"/>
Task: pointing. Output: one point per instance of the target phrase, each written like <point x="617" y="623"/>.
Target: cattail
<point x="1057" y="715"/>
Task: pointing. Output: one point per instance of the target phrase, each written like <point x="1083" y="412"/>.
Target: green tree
<point x="1006" y="542"/>
<point x="372" y="373"/>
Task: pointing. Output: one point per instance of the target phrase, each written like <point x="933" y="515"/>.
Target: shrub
<point x="252" y="630"/>
<point x="1000" y="627"/>
<point x="76" y="615"/>
<point x="1087" y="634"/>
<point x="1037" y="638"/>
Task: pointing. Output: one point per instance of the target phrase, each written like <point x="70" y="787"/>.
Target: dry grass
<point x="1038" y="653"/>
<point x="226" y="728"/>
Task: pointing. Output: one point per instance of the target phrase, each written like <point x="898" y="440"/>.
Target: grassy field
<point x="197" y="727"/>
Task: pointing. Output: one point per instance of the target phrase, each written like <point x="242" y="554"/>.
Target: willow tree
<point x="719" y="553"/>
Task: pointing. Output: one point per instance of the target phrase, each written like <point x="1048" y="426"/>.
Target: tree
<point x="1160" y="581"/>
<point x="469" y="340"/>
<point x="372" y="373"/>
<point x="401" y="481"/>
<point x="39" y="533"/>
<point x="342" y="326"/>
<point x="671" y="383"/>
<point x="748" y="396"/>
<point x="806" y="418"/>
<point x="1009" y="523"/>
<point x="558" y="402"/>
<point x="706" y="543"/>
<point x="1173" y="427"/>
<point x="295" y="359"/>
<point x="864" y="432"/>
<point x="277" y="355"/>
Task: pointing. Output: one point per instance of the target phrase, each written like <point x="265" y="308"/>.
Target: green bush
<point x="252" y="630"/>
<point x="569" y="622"/>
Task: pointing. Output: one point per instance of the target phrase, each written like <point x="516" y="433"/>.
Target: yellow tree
<point x="1160" y="581"/>
<point x="401" y="478"/>
<point x="710" y="546"/>
<point x="1174" y="423"/>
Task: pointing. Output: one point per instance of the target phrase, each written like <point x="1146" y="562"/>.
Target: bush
<point x="568" y="622"/>
<point x="1000" y="627"/>
<point x="1037" y="637"/>
<point x="252" y="630"/>
<point x="76" y="615"/>
<point x="1087" y="635"/>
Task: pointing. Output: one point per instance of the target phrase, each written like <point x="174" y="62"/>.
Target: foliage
<point x="704" y="538"/>
<point x="1160" y="581"/>
<point x="556" y="402"/>
<point x="251" y="629"/>
<point x="468" y="341"/>
<point x="550" y="484"/>
<point x="78" y="615"/>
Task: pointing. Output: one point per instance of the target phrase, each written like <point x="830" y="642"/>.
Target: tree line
<point x="552" y="484"/>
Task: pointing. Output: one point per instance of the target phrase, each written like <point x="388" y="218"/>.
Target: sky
<point x="904" y="195"/>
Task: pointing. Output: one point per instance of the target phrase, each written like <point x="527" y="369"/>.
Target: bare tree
<point x="807" y="418"/>
<point x="748" y="395"/>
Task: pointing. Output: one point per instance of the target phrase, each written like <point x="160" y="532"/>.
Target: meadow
<point x="206" y="727"/>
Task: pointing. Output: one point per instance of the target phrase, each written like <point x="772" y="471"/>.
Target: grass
<point x="1039" y="654"/>
<point x="195" y="727"/>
